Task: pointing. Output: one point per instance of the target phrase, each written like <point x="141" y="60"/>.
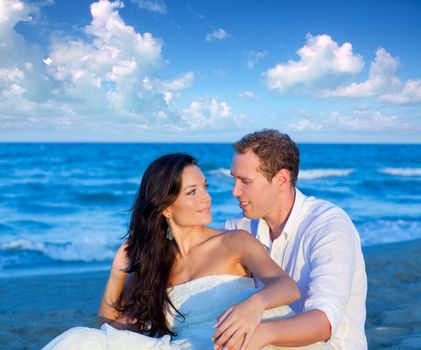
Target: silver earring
<point x="169" y="233"/>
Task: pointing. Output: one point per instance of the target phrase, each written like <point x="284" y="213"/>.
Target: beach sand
<point x="394" y="296"/>
<point x="33" y="310"/>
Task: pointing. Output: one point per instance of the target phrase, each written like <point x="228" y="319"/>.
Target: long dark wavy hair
<point x="150" y="254"/>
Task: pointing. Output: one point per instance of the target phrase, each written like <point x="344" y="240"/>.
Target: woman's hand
<point x="259" y="339"/>
<point x="120" y="262"/>
<point x="239" y="322"/>
<point x="114" y="287"/>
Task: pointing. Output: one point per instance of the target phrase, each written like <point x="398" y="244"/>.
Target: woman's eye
<point x="191" y="192"/>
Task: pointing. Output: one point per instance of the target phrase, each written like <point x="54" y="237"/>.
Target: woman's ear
<point x="167" y="213"/>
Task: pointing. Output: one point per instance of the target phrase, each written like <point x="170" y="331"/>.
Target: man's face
<point x="257" y="196"/>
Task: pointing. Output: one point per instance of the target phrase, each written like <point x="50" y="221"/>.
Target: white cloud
<point x="14" y="90"/>
<point x="248" y="94"/>
<point x="104" y="74"/>
<point x="103" y="81"/>
<point x="381" y="78"/>
<point x="151" y="5"/>
<point x="182" y="82"/>
<point x="367" y="121"/>
<point x="218" y="34"/>
<point x="320" y="59"/>
<point x="11" y="74"/>
<point x="305" y="124"/>
<point x="47" y="61"/>
<point x="253" y="57"/>
<point x="221" y="73"/>
<point x="209" y="113"/>
<point x="382" y="83"/>
<point x="361" y="120"/>
<point x="323" y="64"/>
<point x="170" y="89"/>
<point x="410" y="93"/>
<point x="11" y="12"/>
<point x="21" y="69"/>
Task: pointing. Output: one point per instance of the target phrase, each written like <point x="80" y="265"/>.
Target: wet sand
<point x="33" y="310"/>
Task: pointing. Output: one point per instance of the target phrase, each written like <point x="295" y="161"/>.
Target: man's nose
<point x="236" y="190"/>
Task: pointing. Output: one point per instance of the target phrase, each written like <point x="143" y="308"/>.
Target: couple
<point x="177" y="284"/>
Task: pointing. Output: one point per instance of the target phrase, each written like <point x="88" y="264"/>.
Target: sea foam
<point x="88" y="249"/>
<point x="221" y="171"/>
<point x="312" y="174"/>
<point x="401" y="171"/>
<point x="309" y="174"/>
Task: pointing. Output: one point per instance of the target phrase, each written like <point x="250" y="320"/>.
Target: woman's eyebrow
<point x="187" y="187"/>
<point x="204" y="182"/>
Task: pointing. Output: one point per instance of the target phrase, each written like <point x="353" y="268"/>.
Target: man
<point x="312" y="240"/>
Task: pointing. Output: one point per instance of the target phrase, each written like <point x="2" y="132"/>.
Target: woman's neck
<point x="187" y="238"/>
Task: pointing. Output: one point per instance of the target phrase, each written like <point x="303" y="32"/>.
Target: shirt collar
<point x="263" y="234"/>
<point x="294" y="215"/>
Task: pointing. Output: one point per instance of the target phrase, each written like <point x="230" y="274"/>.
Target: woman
<point x="174" y="277"/>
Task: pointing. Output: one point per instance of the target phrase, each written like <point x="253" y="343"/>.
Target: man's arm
<point x="306" y="328"/>
<point x="332" y="251"/>
<point x="280" y="289"/>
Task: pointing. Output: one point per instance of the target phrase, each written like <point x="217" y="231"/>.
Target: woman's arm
<point x="116" y="281"/>
<point x="238" y="323"/>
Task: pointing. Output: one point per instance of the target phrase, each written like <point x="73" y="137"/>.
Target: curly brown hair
<point x="275" y="150"/>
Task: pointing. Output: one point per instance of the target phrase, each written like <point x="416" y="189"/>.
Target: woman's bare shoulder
<point x="232" y="238"/>
<point x="238" y="237"/>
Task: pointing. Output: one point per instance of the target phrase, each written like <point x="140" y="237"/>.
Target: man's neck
<point x="280" y="215"/>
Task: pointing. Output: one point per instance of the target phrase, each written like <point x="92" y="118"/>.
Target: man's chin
<point x="249" y="215"/>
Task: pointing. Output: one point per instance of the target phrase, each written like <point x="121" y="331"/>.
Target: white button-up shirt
<point x="320" y="249"/>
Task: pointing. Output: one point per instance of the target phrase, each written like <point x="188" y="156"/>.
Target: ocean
<point x="65" y="207"/>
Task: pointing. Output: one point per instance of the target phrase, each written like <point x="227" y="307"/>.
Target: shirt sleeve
<point x="331" y="253"/>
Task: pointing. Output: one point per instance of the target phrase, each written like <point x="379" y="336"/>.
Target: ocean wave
<point x="312" y="174"/>
<point x="388" y="231"/>
<point x="22" y="244"/>
<point x="92" y="182"/>
<point x="88" y="249"/>
<point x="99" y="197"/>
<point x="409" y="172"/>
<point x="221" y="171"/>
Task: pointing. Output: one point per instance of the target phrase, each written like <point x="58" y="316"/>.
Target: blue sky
<point x="158" y="70"/>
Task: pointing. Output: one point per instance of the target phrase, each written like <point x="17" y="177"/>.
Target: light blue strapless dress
<point x="201" y="301"/>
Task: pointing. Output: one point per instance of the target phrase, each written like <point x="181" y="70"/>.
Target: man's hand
<point x="239" y="323"/>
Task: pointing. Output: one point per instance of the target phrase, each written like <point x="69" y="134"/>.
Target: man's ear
<point x="283" y="179"/>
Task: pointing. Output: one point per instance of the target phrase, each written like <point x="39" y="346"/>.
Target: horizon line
<point x="201" y="142"/>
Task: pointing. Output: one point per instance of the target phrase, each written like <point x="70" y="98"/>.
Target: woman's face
<point x="192" y="206"/>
